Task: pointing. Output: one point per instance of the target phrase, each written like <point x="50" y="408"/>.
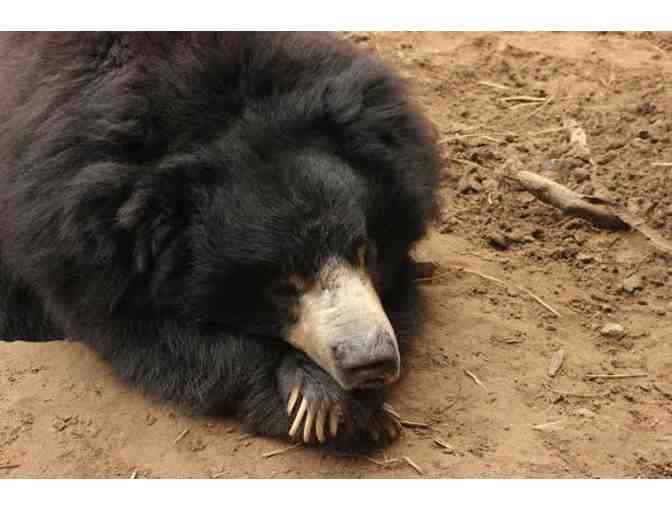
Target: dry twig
<point x="414" y="466"/>
<point x="518" y="106"/>
<point x="519" y="287"/>
<point x="556" y="363"/>
<point x="466" y="162"/>
<point x="382" y="463"/>
<point x="531" y="99"/>
<point x="443" y="444"/>
<point x="572" y="394"/>
<point x="182" y="436"/>
<point x="552" y="425"/>
<point x="415" y="424"/>
<point x="474" y="254"/>
<point x="494" y="85"/>
<point x="541" y="107"/>
<point x="492" y="279"/>
<point x="636" y="223"/>
<point x="540" y="301"/>
<point x="545" y="131"/>
<point x="568" y="201"/>
<point x="476" y="380"/>
<point x="485" y="276"/>
<point x="471" y="135"/>
<point x="502" y="282"/>
<point x="615" y="376"/>
<point x="280" y="451"/>
<point x="595" y="209"/>
<point x="662" y="164"/>
<point x="599" y="211"/>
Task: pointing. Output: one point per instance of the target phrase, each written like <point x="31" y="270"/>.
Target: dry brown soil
<point x="63" y="414"/>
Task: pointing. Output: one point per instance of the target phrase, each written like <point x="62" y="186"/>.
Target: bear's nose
<point x="369" y="361"/>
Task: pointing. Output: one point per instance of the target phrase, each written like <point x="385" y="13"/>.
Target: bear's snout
<point x="369" y="361"/>
<point x="343" y="327"/>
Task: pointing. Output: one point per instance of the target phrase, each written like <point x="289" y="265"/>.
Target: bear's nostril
<point x="368" y="362"/>
<point x="374" y="375"/>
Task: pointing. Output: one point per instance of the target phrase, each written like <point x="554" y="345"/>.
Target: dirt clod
<point x="498" y="240"/>
<point x="612" y="330"/>
<point x="585" y="413"/>
<point x="632" y="283"/>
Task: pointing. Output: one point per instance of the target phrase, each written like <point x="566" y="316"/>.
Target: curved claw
<point x="293" y="397"/>
<point x="308" y="427"/>
<point x="299" y="418"/>
<point x="319" y="424"/>
<point x="326" y="418"/>
<point x="386" y="424"/>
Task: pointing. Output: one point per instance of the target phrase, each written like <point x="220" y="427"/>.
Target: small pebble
<point x="612" y="330"/>
<point x="632" y="283"/>
<point x="585" y="413"/>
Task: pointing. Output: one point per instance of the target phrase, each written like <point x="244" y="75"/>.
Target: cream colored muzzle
<point x="343" y="328"/>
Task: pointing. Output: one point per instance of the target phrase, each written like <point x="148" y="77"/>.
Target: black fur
<point x="151" y="185"/>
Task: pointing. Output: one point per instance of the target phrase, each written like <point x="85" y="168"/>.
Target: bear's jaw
<point x="341" y="325"/>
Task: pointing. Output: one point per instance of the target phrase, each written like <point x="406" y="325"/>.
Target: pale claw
<point x="319" y="425"/>
<point x="293" y="397"/>
<point x="308" y="428"/>
<point x="299" y="418"/>
<point x="326" y="416"/>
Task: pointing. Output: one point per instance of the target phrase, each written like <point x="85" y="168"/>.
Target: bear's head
<point x="299" y="248"/>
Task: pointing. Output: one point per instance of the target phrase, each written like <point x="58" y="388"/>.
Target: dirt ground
<point x="63" y="414"/>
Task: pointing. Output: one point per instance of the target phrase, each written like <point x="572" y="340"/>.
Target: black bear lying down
<point x="220" y="216"/>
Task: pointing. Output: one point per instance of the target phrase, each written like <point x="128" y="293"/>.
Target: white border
<point x="333" y="494"/>
<point x="337" y="15"/>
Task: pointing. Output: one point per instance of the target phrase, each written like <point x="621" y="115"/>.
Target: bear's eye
<point x="284" y="288"/>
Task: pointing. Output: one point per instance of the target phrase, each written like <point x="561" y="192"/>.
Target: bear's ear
<point x="149" y="226"/>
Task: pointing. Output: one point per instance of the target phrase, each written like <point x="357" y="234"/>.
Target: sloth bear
<point x="222" y="217"/>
